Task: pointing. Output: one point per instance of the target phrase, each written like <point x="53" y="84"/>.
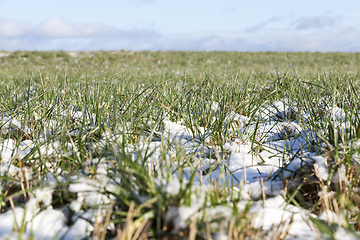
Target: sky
<point x="192" y="25"/>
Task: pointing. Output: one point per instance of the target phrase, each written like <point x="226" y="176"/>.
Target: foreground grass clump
<point x="173" y="145"/>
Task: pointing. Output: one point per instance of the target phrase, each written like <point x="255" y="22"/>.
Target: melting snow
<point x="248" y="166"/>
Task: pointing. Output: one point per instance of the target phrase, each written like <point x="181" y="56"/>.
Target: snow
<point x="88" y="192"/>
<point x="4" y="54"/>
<point x="79" y="229"/>
<point x="40" y="195"/>
<point x="46" y="224"/>
<point x="271" y="188"/>
<point x="342" y="234"/>
<point x="274" y="212"/>
<point x="240" y="161"/>
<point x="321" y="165"/>
<point x="331" y="217"/>
<point x="340" y="175"/>
<point x="171" y="187"/>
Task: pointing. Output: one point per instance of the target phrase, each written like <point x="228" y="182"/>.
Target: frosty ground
<point x="153" y="148"/>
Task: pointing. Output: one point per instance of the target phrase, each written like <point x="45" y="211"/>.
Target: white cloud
<point x="58" y="28"/>
<point x="57" y="34"/>
<point x="54" y="28"/>
<point x="13" y="28"/>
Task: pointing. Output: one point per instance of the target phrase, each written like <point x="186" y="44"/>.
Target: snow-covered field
<point x="111" y="159"/>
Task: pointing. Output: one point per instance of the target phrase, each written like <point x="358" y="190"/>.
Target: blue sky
<point x="196" y="25"/>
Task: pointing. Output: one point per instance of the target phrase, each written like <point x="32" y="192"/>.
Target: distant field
<point x="174" y="145"/>
<point x="78" y="65"/>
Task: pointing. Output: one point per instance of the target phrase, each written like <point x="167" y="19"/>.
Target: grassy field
<point x="174" y="145"/>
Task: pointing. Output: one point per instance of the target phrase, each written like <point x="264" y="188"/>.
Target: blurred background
<point x="193" y="25"/>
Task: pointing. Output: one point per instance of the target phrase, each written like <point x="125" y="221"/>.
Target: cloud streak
<point x="316" y="22"/>
<point x="261" y="25"/>
<point x="323" y="34"/>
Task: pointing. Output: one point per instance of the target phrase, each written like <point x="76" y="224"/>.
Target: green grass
<point x="125" y="96"/>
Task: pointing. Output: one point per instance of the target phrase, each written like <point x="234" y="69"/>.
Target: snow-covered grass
<point x="173" y="145"/>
